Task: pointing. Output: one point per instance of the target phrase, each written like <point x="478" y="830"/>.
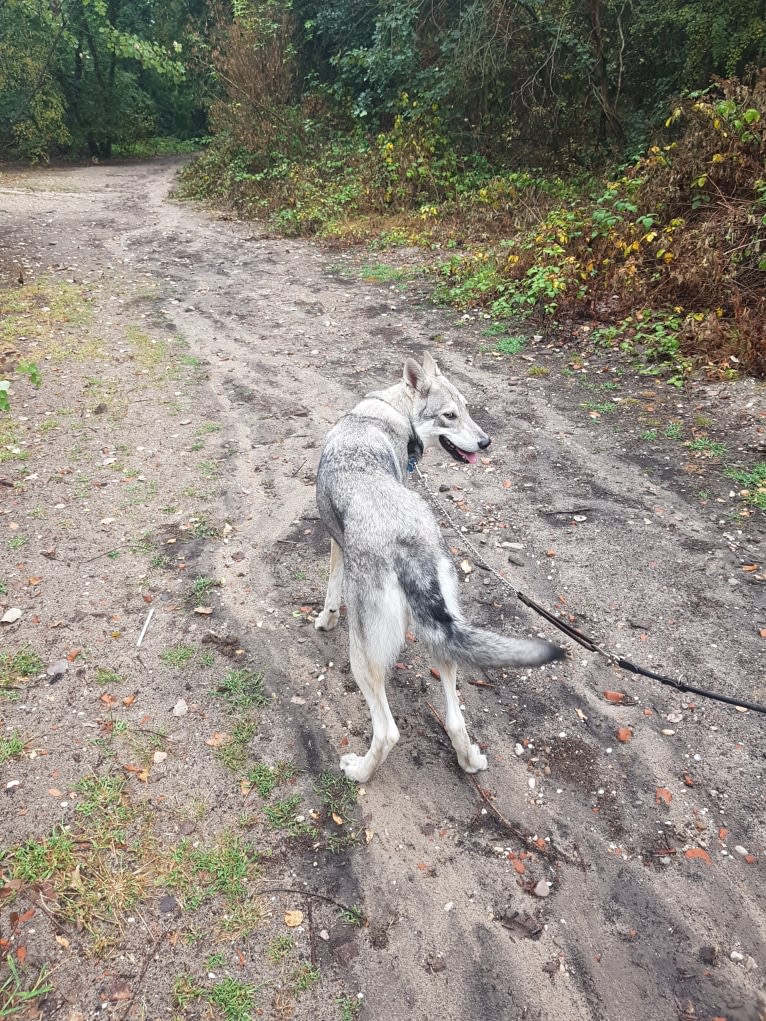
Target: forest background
<point x="580" y="161"/>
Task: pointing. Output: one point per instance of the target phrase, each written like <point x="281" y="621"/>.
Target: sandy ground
<point x="176" y="436"/>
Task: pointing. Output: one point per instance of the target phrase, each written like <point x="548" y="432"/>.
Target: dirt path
<point x="190" y="370"/>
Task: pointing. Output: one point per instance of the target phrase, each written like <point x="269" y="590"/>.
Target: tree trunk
<point x="609" y="122"/>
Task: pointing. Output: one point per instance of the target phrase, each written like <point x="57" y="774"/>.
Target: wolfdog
<point x="388" y="559"/>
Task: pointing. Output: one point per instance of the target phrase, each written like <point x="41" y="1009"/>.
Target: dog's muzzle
<point x="464" y="456"/>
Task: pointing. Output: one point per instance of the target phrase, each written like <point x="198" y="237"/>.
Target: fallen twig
<point x="312" y="944"/>
<point x="307" y="893"/>
<point x="527" y="839"/>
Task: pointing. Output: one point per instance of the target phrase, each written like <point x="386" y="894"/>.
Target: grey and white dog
<point x="387" y="557"/>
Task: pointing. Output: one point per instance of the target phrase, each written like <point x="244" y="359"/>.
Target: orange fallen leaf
<point x="218" y="739"/>
<point x="662" y="794"/>
<point x="762" y="633"/>
<point x="337" y="819"/>
<point x="435" y="673"/>
<point x="34" y="580"/>
<point x="723" y="833"/>
<point x="698" y="853"/>
<point x="750" y="859"/>
<point x="550" y="553"/>
<point x="140" y="772"/>
<point x="624" y="734"/>
<point x="688" y="780"/>
<point x="108" y="699"/>
<point x="293" y="918"/>
<point x="54" y="792"/>
<point x="506" y="484"/>
<point x="519" y="867"/>
<point x="130" y="699"/>
<point x="72" y="655"/>
<point x="614" y="696"/>
<point x="21" y="954"/>
<point x="745" y="567"/>
<point x="148" y="598"/>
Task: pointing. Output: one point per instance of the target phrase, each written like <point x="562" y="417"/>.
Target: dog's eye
<point x="450" y="415"/>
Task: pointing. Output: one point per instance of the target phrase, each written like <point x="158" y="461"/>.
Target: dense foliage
<point x="88" y="75"/>
<point x="429" y="122"/>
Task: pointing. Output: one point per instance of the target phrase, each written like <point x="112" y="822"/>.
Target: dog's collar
<point x="414" y="451"/>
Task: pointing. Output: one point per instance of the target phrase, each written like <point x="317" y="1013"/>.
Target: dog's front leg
<point x="468" y="755"/>
<point x="328" y="618"/>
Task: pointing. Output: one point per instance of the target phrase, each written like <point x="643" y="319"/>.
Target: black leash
<point x="578" y="636"/>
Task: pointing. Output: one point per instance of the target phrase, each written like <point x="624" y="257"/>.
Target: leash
<point x="572" y="632"/>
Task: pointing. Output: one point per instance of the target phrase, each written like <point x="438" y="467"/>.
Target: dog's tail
<point x="431" y="592"/>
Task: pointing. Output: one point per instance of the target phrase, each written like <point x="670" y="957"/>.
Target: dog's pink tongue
<point x="470" y="458"/>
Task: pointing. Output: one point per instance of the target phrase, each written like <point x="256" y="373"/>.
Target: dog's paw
<point x="327" y="620"/>
<point x="355" y="768"/>
<point x="475" y="761"/>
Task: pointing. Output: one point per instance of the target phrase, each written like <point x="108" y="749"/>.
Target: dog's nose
<point x="483" y="444"/>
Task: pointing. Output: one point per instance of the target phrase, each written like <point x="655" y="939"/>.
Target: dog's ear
<point x="415" y="377"/>
<point x="430" y="365"/>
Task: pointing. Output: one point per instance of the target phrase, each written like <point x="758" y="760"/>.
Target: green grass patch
<point x="19" y="994"/>
<point x="150" y="352"/>
<point x="11" y="747"/>
<point x="353" y="916"/>
<point x="241" y="690"/>
<point x="15" y="668"/>
<point x="380" y="273"/>
<point x="510" y="345"/>
<point x="233" y="754"/>
<point x="754" y="482"/>
<point x="337" y="793"/>
<point x="286" y="815"/>
<point x="710" y="448"/>
<point x="229" y="868"/>
<point x="201" y="588"/>
<point x="265" y="779"/>
<point x="46" y="310"/>
<point x="104" y="676"/>
<point x="232" y="999"/>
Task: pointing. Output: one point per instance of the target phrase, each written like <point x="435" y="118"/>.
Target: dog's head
<point x="440" y="413"/>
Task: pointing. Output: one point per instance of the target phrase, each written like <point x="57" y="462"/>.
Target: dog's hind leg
<point x="371" y="678"/>
<point x="328" y="618"/>
<point x="468" y="755"/>
<point x="376" y="629"/>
